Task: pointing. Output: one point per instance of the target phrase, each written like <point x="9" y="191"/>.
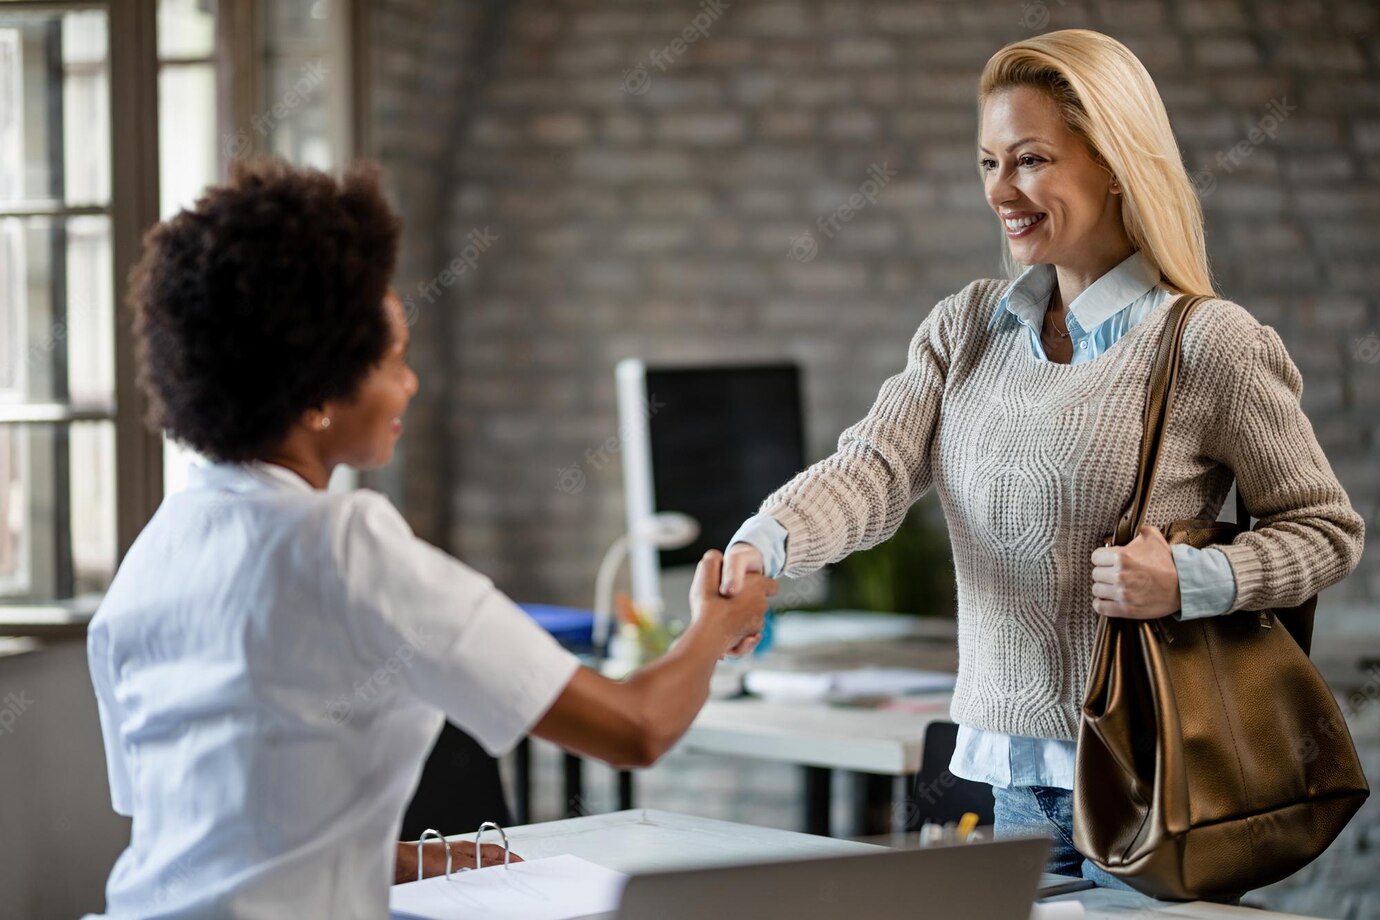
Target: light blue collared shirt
<point x="1097" y="318"/>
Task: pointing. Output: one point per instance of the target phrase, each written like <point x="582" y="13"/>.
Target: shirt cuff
<point x="1207" y="587"/>
<point x="768" y="535"/>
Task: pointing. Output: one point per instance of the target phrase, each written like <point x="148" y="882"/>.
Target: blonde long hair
<point x="1108" y="100"/>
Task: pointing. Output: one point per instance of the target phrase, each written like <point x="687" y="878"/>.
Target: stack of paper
<point x="847" y="684"/>
<point x="556" y="888"/>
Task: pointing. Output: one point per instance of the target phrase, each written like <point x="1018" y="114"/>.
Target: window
<point x="58" y="538"/>
<point x="79" y="474"/>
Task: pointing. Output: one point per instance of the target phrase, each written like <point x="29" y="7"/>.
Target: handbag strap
<point x="1159" y="400"/>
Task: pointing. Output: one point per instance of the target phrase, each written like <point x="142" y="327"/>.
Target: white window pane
<point x="84" y="37"/>
<point x="86" y="130"/>
<point x="15" y="575"/>
<point x="59" y="338"/>
<point x="186" y="134"/>
<point x="14" y="298"/>
<point x="186" y="28"/>
<point x="57" y="510"/>
<point x="11" y="114"/>
<point x="293" y="23"/>
<point x="296" y="114"/>
<point x="46" y="153"/>
<point x="93" y="506"/>
<point x="90" y="326"/>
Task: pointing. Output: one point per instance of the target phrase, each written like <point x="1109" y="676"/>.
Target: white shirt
<point x="271" y="665"/>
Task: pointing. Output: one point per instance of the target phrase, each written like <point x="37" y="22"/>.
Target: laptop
<point x="990" y="880"/>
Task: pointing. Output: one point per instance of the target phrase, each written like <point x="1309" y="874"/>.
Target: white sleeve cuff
<point x="768" y="535"/>
<point x="1207" y="586"/>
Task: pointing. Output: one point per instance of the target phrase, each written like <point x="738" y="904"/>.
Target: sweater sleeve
<point x="1307" y="536"/>
<point x="858" y="496"/>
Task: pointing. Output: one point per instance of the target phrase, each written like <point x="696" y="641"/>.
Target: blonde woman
<point x="1021" y="405"/>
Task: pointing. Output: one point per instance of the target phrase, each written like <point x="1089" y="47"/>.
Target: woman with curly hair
<point x="273" y="661"/>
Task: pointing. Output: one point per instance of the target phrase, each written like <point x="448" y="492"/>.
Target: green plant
<point x="913" y="572"/>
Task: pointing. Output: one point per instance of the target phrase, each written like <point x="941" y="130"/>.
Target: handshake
<point x="729" y="596"/>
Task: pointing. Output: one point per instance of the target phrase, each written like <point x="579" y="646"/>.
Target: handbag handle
<point x="1159" y="400"/>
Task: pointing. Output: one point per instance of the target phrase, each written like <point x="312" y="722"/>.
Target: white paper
<point x="852" y="683"/>
<point x="1057" y="910"/>
<point x="555" y="888"/>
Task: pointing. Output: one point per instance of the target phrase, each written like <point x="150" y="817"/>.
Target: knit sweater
<point x="1034" y="462"/>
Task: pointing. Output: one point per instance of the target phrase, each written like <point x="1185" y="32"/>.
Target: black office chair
<point x="938" y="795"/>
<point x="460" y="789"/>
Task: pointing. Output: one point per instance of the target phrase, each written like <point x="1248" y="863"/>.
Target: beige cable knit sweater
<point x="1035" y="461"/>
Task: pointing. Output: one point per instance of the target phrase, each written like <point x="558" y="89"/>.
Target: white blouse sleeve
<point x="447" y="633"/>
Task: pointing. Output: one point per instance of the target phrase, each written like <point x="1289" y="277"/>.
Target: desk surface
<point x="821" y="735"/>
<point x="845" y="738"/>
<point x="647" y="840"/>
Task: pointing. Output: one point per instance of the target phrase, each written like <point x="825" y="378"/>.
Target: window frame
<point x="133" y="208"/>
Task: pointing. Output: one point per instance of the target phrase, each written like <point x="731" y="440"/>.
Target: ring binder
<point x="444" y="843"/>
<point x="487" y="825"/>
<point x="491" y="825"/>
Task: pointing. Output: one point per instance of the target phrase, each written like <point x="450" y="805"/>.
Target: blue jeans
<point x="1048" y="810"/>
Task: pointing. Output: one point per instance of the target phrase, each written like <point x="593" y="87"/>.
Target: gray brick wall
<point x="676" y="195"/>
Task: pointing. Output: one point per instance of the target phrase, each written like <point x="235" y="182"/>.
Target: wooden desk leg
<point x="818" y="789"/>
<point x="522" y="780"/>
<point x="625" y="790"/>
<point x="873" y="803"/>
<point x="574" y="787"/>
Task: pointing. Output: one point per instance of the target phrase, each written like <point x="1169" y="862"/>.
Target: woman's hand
<point x="1138" y="581"/>
<point x="740" y="614"/>
<point x="741" y="560"/>
<point x="434" y="858"/>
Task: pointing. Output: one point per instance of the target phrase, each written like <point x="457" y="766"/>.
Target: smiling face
<point x="1033" y="167"/>
<point x="364" y="429"/>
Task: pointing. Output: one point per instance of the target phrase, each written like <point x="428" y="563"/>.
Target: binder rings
<point x="555" y="888"/>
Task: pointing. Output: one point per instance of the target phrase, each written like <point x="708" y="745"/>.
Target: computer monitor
<point x="710" y="442"/>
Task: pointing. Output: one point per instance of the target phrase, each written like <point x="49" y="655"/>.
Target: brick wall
<point x="681" y="201"/>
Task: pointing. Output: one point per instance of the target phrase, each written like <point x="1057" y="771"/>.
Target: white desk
<point x="814" y="734"/>
<point x="877" y="744"/>
<point x="647" y="840"/>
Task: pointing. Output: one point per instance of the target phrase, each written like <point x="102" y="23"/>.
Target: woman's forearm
<point x="633" y="722"/>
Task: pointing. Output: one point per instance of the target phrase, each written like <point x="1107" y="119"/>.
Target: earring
<point x="324" y="423"/>
<point x="1115" y="186"/>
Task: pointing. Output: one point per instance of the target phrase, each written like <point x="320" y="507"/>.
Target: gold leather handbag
<point x="1212" y="756"/>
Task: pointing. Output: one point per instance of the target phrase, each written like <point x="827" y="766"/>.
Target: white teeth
<point x="1018" y="223"/>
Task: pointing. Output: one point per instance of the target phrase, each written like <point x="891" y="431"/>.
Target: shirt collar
<point x="249" y="476"/>
<point x="1027" y="298"/>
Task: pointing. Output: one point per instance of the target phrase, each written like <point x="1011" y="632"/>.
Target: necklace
<point x="1062" y="335"/>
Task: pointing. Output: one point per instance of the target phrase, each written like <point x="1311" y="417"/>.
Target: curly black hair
<point x="261" y="302"/>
